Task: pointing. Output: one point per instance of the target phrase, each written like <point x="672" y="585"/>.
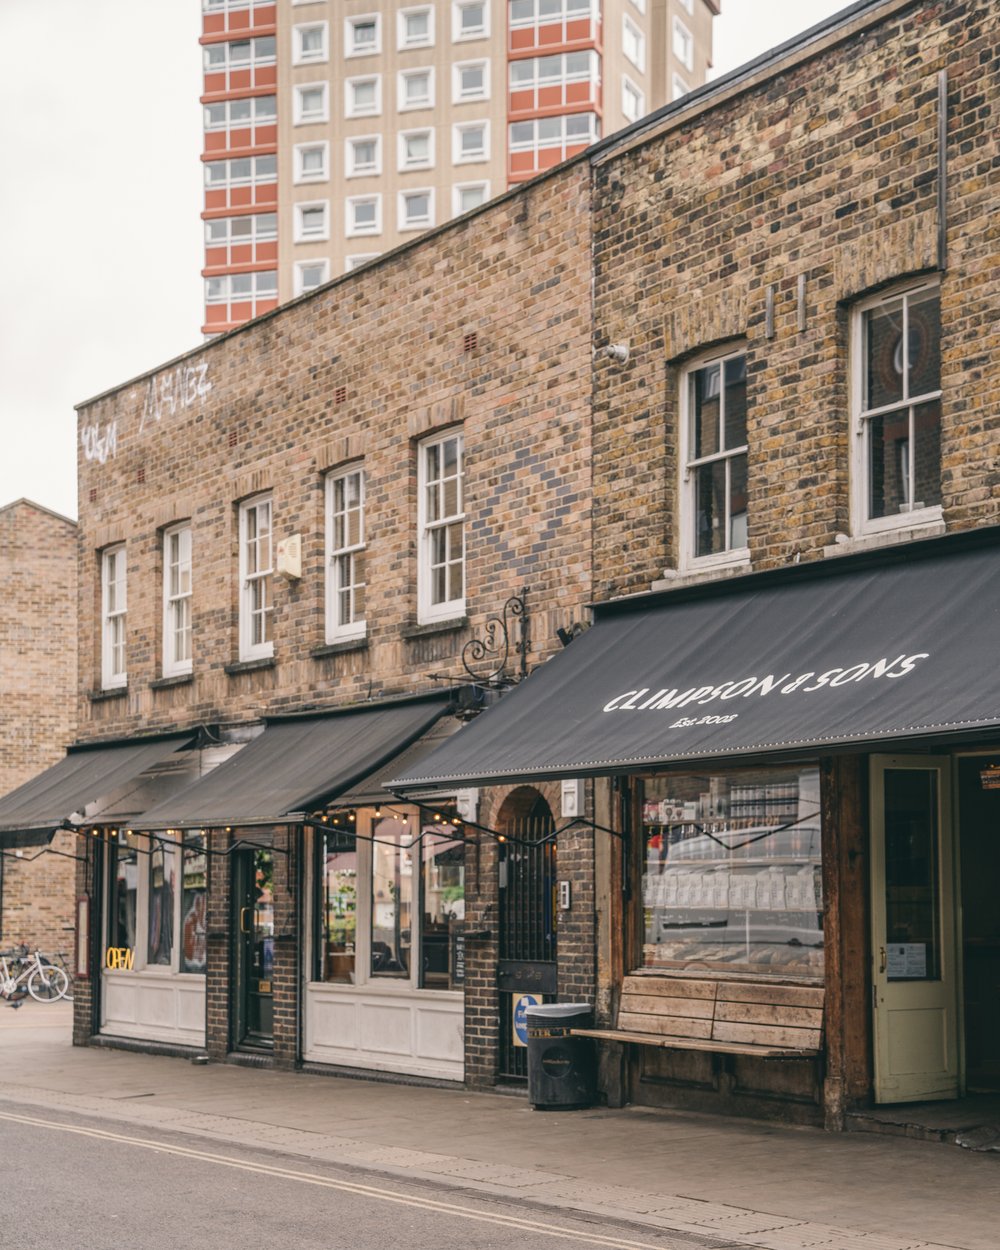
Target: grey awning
<point x="848" y="652"/>
<point x="296" y="766"/>
<point x="31" y="814"/>
<point x="371" y="789"/>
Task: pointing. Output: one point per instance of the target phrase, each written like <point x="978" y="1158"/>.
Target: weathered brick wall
<point x="37" y="708"/>
<point x="826" y="171"/>
<point x="264" y="414"/>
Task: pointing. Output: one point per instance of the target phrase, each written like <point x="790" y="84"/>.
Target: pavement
<point x="737" y="1183"/>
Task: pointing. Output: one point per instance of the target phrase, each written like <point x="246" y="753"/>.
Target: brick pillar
<point x="481" y="1002"/>
<point x="87" y="885"/>
<point x="218" y="973"/>
<point x="284" y="982"/>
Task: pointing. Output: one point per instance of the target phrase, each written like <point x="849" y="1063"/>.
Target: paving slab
<point x="744" y="1183"/>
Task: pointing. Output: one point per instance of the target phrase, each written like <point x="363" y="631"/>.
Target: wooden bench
<point x="769" y="1020"/>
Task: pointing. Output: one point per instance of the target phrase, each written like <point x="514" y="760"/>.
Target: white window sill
<point x="673" y="579"/>
<point x="845" y="544"/>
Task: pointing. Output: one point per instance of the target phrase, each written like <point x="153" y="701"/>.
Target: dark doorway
<point x="527" y="938"/>
<point x="253" y="938"/>
<point x="979" y="859"/>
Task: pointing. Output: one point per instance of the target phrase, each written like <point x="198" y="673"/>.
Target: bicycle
<point x="46" y="983"/>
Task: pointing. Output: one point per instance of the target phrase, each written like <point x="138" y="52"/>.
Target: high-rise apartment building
<point x="337" y="129"/>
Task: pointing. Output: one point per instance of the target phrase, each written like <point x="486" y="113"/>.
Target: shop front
<point x="319" y="924"/>
<point x="798" y="781"/>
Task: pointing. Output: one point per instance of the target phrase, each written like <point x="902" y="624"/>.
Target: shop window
<point x="731" y="875"/>
<point x="194" y="905"/>
<point x="714" y="458"/>
<point x="390" y="898"/>
<point x="157" y="892"/>
<point x="337" y="911"/>
<point x="897" y="400"/>
<point x="161" y="865"/>
<point x="123" y="893"/>
<point x="114" y="605"/>
<point x="256" y="606"/>
<point x="177" y="601"/>
<point x="441" y="524"/>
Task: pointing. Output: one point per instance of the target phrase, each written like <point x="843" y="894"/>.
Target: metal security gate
<point x="527" y="954"/>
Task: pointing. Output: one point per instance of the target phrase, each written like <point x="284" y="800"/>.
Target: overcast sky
<point x="100" y="199"/>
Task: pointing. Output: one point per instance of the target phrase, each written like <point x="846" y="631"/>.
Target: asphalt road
<point x="69" y="1183"/>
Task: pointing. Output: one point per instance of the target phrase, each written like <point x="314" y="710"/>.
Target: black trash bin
<point x="562" y="1071"/>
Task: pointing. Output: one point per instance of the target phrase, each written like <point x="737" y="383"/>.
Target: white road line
<point x="369" y="1191"/>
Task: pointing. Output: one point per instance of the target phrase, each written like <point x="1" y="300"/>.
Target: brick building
<point x="336" y="132"/>
<point x="303" y="527"/>
<point x="38" y="709"/>
<point x="787" y="700"/>
<point x="755" y="332"/>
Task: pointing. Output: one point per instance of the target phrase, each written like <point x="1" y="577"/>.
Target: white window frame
<point x="318" y="235"/>
<point x="429" y="612"/>
<point x="457" y="97"/>
<point x="682" y="44"/>
<point x="302" y="265"/>
<point x="349" y="106"/>
<point x="640" y="96"/>
<point x="358" y="259"/>
<point x="301" y="118"/>
<point x="911" y="517"/>
<point x="335" y="631"/>
<point x="639" y="6"/>
<point x="299" y="57"/>
<point x="631" y="31"/>
<point x="686" y="558"/>
<point x="678" y="86"/>
<point x="299" y="174"/>
<point x="401" y="162"/>
<point x="458" y="130"/>
<point x="351" y="229"/>
<point x="255" y="178"/>
<point x="404" y="223"/>
<point x="457" y="8"/>
<point x="581" y="11"/>
<point x="248" y="648"/>
<point x="114" y="618"/>
<point x="351" y="168"/>
<point x="687" y="6"/>
<point x="172" y="600"/>
<point x="351" y="49"/>
<point x="456" y="196"/>
<point x="402" y="43"/>
<point x="402" y="105"/>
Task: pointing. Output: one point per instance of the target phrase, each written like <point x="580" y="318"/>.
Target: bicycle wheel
<point x="47" y="984"/>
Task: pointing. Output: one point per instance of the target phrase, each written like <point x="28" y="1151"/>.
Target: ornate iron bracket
<point x="485" y="659"/>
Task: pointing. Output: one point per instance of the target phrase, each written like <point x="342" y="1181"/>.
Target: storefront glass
<point x="122" y="911"/>
<point x="338" y="904"/>
<point x="390" y="897"/>
<point x="731" y="871"/>
<point x="194" y="882"/>
<point x="162" y="865"/>
<point x="442" y="910"/>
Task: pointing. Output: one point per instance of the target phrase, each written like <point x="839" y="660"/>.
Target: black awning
<point x="815" y="657"/>
<point x="31" y="814"/>
<point x="296" y="766"/>
<point x="371" y="789"/>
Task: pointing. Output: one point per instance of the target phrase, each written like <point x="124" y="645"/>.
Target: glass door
<point x="914" y="982"/>
<point x="253" y="936"/>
